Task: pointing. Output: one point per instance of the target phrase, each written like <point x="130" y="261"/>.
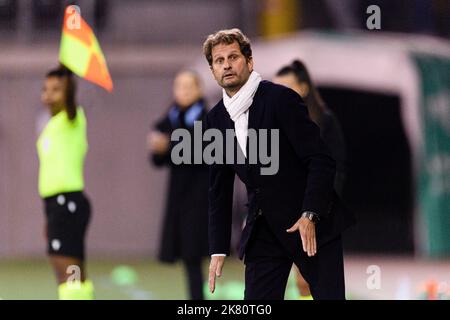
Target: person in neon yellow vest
<point x="62" y="147"/>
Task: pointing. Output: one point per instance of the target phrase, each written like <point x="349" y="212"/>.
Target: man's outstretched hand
<point x="215" y="269"/>
<point x="307" y="231"/>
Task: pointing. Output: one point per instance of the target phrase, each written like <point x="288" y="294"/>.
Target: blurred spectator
<point x="296" y="77"/>
<point x="184" y="234"/>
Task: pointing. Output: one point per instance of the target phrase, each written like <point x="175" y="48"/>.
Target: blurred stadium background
<point x="389" y="88"/>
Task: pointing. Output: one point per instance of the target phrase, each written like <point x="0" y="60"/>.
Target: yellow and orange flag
<point x="80" y="51"/>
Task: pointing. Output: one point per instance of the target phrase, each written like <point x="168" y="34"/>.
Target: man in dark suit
<point x="294" y="215"/>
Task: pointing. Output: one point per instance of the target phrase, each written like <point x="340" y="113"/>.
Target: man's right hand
<point x="158" y="142"/>
<point x="215" y="269"/>
<point x="307" y="231"/>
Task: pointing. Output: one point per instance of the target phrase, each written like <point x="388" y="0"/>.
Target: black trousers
<point x="193" y="267"/>
<point x="68" y="215"/>
<point x="268" y="264"/>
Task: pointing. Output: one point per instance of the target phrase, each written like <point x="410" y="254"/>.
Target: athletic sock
<point x="76" y="290"/>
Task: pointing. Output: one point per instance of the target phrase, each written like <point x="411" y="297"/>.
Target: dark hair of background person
<point x="330" y="129"/>
<point x="63" y="72"/>
<point x="313" y="100"/>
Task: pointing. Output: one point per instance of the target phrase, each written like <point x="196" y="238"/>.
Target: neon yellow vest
<point x="62" y="147"/>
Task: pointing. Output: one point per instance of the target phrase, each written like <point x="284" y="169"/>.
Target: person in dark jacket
<point x="295" y="215"/>
<point x="296" y="77"/>
<point x="184" y="233"/>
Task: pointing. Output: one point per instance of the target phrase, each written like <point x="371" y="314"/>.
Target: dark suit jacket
<point x="304" y="181"/>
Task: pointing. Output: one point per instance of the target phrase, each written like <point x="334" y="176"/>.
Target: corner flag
<point x="80" y="51"/>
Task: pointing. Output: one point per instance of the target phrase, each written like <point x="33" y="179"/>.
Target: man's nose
<point x="227" y="65"/>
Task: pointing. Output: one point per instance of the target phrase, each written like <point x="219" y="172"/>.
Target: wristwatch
<point x="312" y="216"/>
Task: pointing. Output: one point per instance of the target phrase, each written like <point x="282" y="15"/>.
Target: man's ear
<point x="212" y="71"/>
<point x="250" y="64"/>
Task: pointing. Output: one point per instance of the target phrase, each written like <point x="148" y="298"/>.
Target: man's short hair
<point x="227" y="36"/>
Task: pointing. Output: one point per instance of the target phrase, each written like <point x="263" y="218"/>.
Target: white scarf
<point x="238" y="105"/>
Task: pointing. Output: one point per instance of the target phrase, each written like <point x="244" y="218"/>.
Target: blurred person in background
<point x="184" y="233"/>
<point x="296" y="77"/>
<point x="62" y="147"/>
